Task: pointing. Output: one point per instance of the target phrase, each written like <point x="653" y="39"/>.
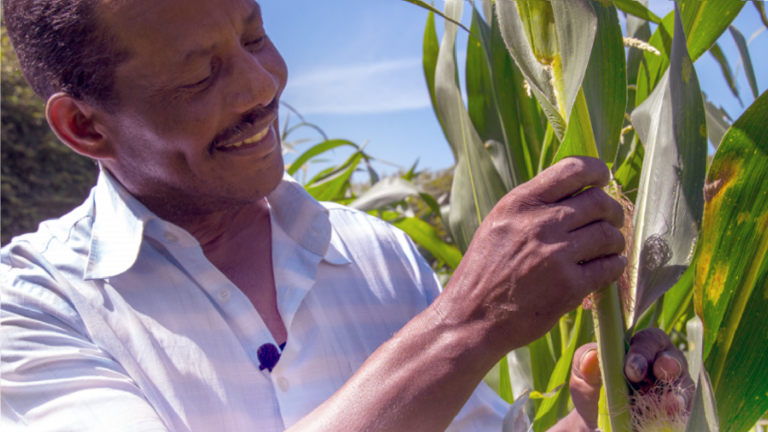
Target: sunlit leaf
<point x="718" y="123"/>
<point x="703" y="416"/>
<point x="485" y="110"/>
<point x="705" y="21"/>
<point x="677" y="301"/>
<point x="425" y="236"/>
<point x="516" y="420"/>
<point x="386" y="192"/>
<point x="547" y="413"/>
<point x="731" y="264"/>
<point x="628" y="174"/>
<point x="316" y="150"/>
<point x="555" y="58"/>
<point x="431" y="49"/>
<point x="605" y="82"/>
<point x="477" y="186"/>
<point x="717" y="53"/>
<point x="741" y="43"/>
<point x="637" y="9"/>
<point x="432" y="10"/>
<point x="579" y="139"/>
<point x="671" y="124"/>
<point x="334" y="186"/>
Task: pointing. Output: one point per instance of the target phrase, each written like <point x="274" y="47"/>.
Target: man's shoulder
<point x="56" y="240"/>
<point x="350" y="223"/>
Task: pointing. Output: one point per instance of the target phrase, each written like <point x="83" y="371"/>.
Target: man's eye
<point x="200" y="83"/>
<point x="256" y="44"/>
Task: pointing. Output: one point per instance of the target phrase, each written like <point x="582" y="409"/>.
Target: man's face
<point x="196" y="125"/>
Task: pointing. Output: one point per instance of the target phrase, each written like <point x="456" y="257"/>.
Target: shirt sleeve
<point x="54" y="378"/>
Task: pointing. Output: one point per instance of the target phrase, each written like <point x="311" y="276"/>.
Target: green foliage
<point x="41" y="177"/>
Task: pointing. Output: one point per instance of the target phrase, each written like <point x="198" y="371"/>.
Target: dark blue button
<point x="268" y="356"/>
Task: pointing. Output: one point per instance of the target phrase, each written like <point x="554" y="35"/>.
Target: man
<point x="160" y="303"/>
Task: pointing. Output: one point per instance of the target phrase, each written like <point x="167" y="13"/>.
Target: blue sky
<point x="355" y="71"/>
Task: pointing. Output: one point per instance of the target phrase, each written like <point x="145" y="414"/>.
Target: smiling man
<point x="198" y="288"/>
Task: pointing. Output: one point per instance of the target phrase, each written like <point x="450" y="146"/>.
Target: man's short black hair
<point x="62" y="48"/>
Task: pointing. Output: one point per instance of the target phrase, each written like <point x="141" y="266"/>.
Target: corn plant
<point x="550" y="79"/>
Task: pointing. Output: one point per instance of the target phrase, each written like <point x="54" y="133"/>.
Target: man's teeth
<point x="258" y="137"/>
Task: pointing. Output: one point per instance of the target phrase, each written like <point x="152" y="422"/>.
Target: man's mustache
<point x="248" y="119"/>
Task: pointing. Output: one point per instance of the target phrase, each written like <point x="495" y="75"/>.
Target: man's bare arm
<point x="542" y="249"/>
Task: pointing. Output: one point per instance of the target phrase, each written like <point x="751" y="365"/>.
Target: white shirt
<point x="114" y="320"/>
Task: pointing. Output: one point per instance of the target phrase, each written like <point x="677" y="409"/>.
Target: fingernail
<point x="583" y="356"/>
<point x="637" y="367"/>
<point x="667" y="376"/>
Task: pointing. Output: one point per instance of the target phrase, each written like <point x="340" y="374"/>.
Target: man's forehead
<point x="180" y="29"/>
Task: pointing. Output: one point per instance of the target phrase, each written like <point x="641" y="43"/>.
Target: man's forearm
<point x="418" y="380"/>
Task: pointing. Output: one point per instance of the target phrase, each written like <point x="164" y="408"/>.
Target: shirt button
<point x="223" y="294"/>
<point x="282" y="382"/>
<point x="171" y="237"/>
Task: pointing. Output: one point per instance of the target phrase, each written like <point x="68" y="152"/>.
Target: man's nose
<point x="254" y="82"/>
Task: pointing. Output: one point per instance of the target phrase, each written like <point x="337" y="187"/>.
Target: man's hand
<point x="545" y="246"/>
<point x="652" y="358"/>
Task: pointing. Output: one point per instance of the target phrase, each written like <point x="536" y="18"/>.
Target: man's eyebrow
<point x="255" y="13"/>
<point x="207" y="51"/>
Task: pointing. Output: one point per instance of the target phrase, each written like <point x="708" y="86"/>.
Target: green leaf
<point x="549" y="149"/>
<point x="546" y="414"/>
<point x="718" y="122"/>
<point x="653" y="66"/>
<point x="484" y="109"/>
<point x="316" y="150"/>
<point x="431" y="49"/>
<point x="671" y="124"/>
<point x="518" y="111"/>
<point x="677" y="301"/>
<point x="579" y="139"/>
<point x="731" y="264"/>
<point x="505" y="383"/>
<point x="705" y="21"/>
<point x="605" y="82"/>
<point x="542" y="365"/>
<point x="555" y="81"/>
<point x="703" y="416"/>
<point x="717" y="53"/>
<point x="432" y="10"/>
<point x="639" y="29"/>
<point x="425" y="236"/>
<point x="386" y="192"/>
<point x="333" y="187"/>
<point x="741" y="43"/>
<point x="637" y="9"/>
<point x="628" y="174"/>
<point x="477" y="186"/>
<point x="761" y="10"/>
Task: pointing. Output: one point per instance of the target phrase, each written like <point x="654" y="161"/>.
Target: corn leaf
<point x="703" y="416"/>
<point x="671" y="124"/>
<point x="386" y="192"/>
<point x="718" y="123"/>
<point x="731" y="264"/>
<point x="432" y="10"/>
<point x="431" y="49"/>
<point x="628" y="174"/>
<point x="605" y="82"/>
<point x="316" y="150"/>
<point x="555" y="73"/>
<point x="741" y="43"/>
<point x="334" y="186"/>
<point x="761" y="10"/>
<point x="477" y="186"/>
<point x="637" y="9"/>
<point x="484" y="109"/>
<point x="639" y="29"/>
<point x="705" y="21"/>
<point x="677" y="301"/>
<point x="717" y="53"/>
<point x="425" y="236"/>
<point x="579" y="139"/>
<point x="547" y="413"/>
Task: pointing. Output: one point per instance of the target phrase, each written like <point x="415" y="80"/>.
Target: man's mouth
<point x="256" y="138"/>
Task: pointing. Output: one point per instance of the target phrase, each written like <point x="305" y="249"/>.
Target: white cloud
<point x="383" y="86"/>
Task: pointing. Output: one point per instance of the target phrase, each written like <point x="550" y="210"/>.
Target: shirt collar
<point x="120" y="221"/>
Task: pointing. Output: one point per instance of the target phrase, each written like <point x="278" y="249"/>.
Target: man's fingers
<point x="596" y="240"/>
<point x="568" y="177"/>
<point x="592" y="205"/>
<point x="586" y="365"/>
<point x="648" y="345"/>
<point x="600" y="272"/>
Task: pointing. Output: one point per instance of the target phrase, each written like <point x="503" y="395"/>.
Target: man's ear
<point x="77" y="125"/>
